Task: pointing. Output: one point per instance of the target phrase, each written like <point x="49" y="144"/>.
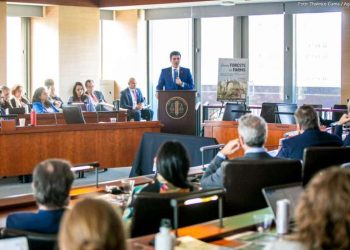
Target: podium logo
<point x="176" y="107"/>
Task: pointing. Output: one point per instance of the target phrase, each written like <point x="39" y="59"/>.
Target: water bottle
<point x="26" y="109"/>
<point x="165" y="240"/>
<point x="33" y="117"/>
<point x="282" y="220"/>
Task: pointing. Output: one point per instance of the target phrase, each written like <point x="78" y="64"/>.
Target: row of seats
<point x="273" y="112"/>
<point x="244" y="180"/>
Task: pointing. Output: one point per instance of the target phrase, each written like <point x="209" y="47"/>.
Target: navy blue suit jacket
<point x="126" y="99"/>
<point x="339" y="133"/>
<point x="166" y="81"/>
<point x="214" y="174"/>
<point x="293" y="148"/>
<point x="44" y="221"/>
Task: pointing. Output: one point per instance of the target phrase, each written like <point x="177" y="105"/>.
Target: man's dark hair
<point x="175" y="53"/>
<point x="173" y="164"/>
<point x="307" y="117"/>
<point x="87" y="82"/>
<point x="52" y="181"/>
<point x="49" y="82"/>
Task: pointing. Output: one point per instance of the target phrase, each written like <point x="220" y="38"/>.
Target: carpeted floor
<point x="10" y="186"/>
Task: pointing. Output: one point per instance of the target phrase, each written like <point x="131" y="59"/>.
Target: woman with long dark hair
<point x="79" y="96"/>
<point x="41" y="103"/>
<point x="173" y="165"/>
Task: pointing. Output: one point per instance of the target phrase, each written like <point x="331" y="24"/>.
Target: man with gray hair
<point x="52" y="181"/>
<point x="252" y="134"/>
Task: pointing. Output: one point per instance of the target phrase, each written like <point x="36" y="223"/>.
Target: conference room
<point x="174" y="124"/>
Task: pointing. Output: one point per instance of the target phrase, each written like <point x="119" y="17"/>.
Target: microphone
<point x="176" y="73"/>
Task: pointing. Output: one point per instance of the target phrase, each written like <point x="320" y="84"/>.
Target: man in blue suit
<point x="175" y="77"/>
<point x="310" y="135"/>
<point x="52" y="181"/>
<point x="132" y="99"/>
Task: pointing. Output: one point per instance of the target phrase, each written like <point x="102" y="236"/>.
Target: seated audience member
<point x="172" y="165"/>
<point x="95" y="95"/>
<point x="310" y="135"/>
<point x="344" y="120"/>
<point x="41" y="103"/>
<point x="18" y="100"/>
<point x="92" y="224"/>
<point x="53" y="98"/>
<point x="131" y="99"/>
<point x="5" y="97"/>
<point x="322" y="215"/>
<point x="52" y="181"/>
<point x="252" y="133"/>
<point x="80" y="97"/>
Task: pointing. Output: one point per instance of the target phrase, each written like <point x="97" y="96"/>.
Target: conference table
<point x="225" y="131"/>
<point x="111" y="144"/>
<point x="209" y="231"/>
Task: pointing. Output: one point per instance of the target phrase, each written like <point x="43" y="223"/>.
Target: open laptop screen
<point x="72" y="114"/>
<point x="291" y="192"/>
<point x="15" y="243"/>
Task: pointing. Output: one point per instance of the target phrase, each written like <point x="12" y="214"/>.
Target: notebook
<point x="15" y="243"/>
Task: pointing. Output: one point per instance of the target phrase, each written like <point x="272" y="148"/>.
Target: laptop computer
<point x="15" y="243"/>
<point x="72" y="114"/>
<point x="291" y="192"/>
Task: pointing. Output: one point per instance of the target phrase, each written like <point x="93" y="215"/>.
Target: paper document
<point x="189" y="243"/>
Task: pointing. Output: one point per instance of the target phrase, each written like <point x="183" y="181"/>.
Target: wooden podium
<point x="176" y="110"/>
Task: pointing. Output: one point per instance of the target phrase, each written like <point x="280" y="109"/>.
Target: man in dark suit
<point x="132" y="99"/>
<point x="310" y="135"/>
<point x="96" y="96"/>
<point x="175" y="77"/>
<point x="252" y="132"/>
<point x="52" y="181"/>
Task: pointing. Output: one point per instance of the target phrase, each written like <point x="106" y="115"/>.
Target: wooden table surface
<point x="225" y="131"/>
<point x="111" y="144"/>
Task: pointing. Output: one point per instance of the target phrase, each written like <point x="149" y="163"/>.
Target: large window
<point x="266" y="41"/>
<point x="164" y="37"/>
<point x="216" y="42"/>
<point x="15" y="52"/>
<point x="109" y="40"/>
<point x="318" y="58"/>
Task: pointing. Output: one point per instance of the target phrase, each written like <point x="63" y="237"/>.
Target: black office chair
<point x="150" y="208"/>
<point x="234" y="111"/>
<point x="336" y="115"/>
<point x="268" y="110"/>
<point x="319" y="158"/>
<point x="244" y="180"/>
<point x="36" y="241"/>
<point x="285" y="113"/>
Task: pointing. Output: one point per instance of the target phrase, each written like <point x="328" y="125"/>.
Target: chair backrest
<point x="336" y="115"/>
<point x="116" y="104"/>
<point x="232" y="111"/>
<point x="319" y="158"/>
<point x="285" y="113"/>
<point x="244" y="180"/>
<point x="268" y="110"/>
<point x="36" y="241"/>
<point x="150" y="208"/>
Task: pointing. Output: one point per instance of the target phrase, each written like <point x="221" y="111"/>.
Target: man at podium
<point x="175" y="77"/>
